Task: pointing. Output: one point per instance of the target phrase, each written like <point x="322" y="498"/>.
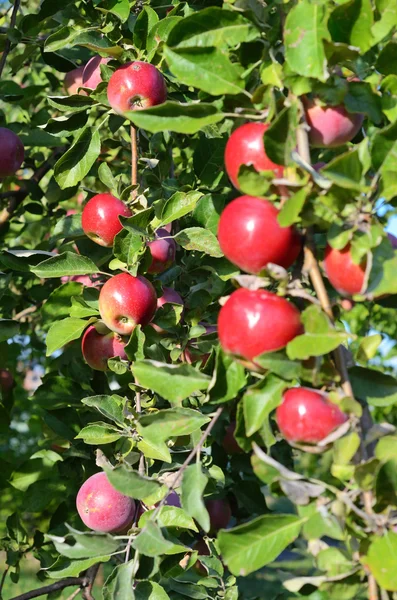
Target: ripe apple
<point x="331" y="126"/>
<point x="92" y="72"/>
<point x="98" y="348"/>
<point x="344" y="275"/>
<point x="126" y="301"/>
<point x="6" y="381"/>
<point x="134" y="86"/>
<point x="250" y="236"/>
<point x="229" y="442"/>
<point x="12" y="152"/>
<point x="73" y="81"/>
<point x="246" y="147"/>
<point x="102" y="508"/>
<point x="220" y="513"/>
<point x="169" y="296"/>
<point x="163" y="250"/>
<point x="100" y="218"/>
<point x="252" y="322"/>
<point x="307" y="415"/>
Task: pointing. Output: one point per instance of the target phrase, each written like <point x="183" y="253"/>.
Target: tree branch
<point x="57" y="585"/>
<point x="89" y="580"/>
<point x="7" y="46"/>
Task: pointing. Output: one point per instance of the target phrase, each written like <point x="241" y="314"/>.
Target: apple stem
<point x="7" y="46"/>
<point x="134" y="160"/>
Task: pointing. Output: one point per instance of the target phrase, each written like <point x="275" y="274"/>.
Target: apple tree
<point x="197" y="299"/>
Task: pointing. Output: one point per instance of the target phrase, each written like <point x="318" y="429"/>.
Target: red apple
<point x="163" y="250"/>
<point x="220" y="514"/>
<point x="100" y="218"/>
<point x="201" y="547"/>
<point x="250" y="236"/>
<point x="102" y="508"/>
<point x="92" y="72"/>
<point x="12" y="152"/>
<point x="6" y="381"/>
<point x="344" y="275"/>
<point x="98" y="348"/>
<point x="229" y="442"/>
<point x="256" y="321"/>
<point x="134" y="86"/>
<point x="331" y="126"/>
<point x="169" y="296"/>
<point x="73" y="81"/>
<point x="126" y="301"/>
<point x="246" y="147"/>
<point x="307" y="415"/>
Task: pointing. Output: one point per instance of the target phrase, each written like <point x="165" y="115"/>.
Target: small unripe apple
<point x="163" y="250"/>
<point x="229" y="442"/>
<point x="73" y="81"/>
<point x="344" y="275"/>
<point x="100" y="218"/>
<point x="92" y="72"/>
<point x="246" y="147"/>
<point x="98" y="348"/>
<point x="136" y="85"/>
<point x="331" y="126"/>
<point x="220" y="514"/>
<point x="12" y="152"/>
<point x="251" y="237"/>
<point x="252" y="322"/>
<point x="169" y="296"/>
<point x="6" y="381"/>
<point x="102" y="508"/>
<point x="308" y="416"/>
<point x="126" y="301"/>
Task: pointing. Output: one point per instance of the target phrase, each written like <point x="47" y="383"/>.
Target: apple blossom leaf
<point x="111" y="407"/>
<point x="304" y="34"/>
<point x="171" y="422"/>
<point x="249" y="547"/>
<point x="64" y="567"/>
<point x="97" y="434"/>
<point x="68" y="227"/>
<point x="67" y="263"/>
<point x="200" y="240"/>
<point x="170" y="516"/>
<point x="172" y="382"/>
<point x="173" y="116"/>
<point x="260" y="400"/>
<point x="228" y="379"/>
<point x="84" y="545"/>
<point x="75" y="164"/>
<point x="8" y="328"/>
<point x="374" y="387"/>
<point x="381" y="559"/>
<point x="212" y="27"/>
<point x="131" y="483"/>
<point x="65" y="331"/>
<point x="208" y="69"/>
<point x="150" y="590"/>
<point x="193" y="485"/>
<point x="351" y="24"/>
<point x="119" y="583"/>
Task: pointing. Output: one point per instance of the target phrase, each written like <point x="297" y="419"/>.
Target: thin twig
<point x="372" y="588"/>
<point x="57" y="585"/>
<point x="74" y="594"/>
<point x="24" y="313"/>
<point x="134" y="160"/>
<point x="3" y="578"/>
<point x="89" y="581"/>
<point x="7" y="45"/>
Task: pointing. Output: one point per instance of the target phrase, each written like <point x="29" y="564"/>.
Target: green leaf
<point x="346" y="171"/>
<point x="110" y="407"/>
<point x="278" y="363"/>
<point x="388" y="20"/>
<point x="150" y="590"/>
<point x="368" y="347"/>
<point x="172" y="382"/>
<point x="374" y="387"/>
<point x="151" y="542"/>
<point x="228" y="379"/>
<point x="75" y="164"/>
<point x="169" y="516"/>
<point x="386" y="62"/>
<point x="212" y="27"/>
<point x="120" y="8"/>
<point x="131" y="483"/>
<point x="64" y="331"/>
<point x="64" y="126"/>
<point x="154" y="448"/>
<point x="208" y="69"/>
<point x="171" y="422"/>
<point x="67" y="228"/>
<point x="118" y="585"/>
<point x="105" y="175"/>
<point x="259" y="401"/>
<point x="85" y="545"/>
<point x="251" y="546"/>
<point x="179" y="205"/>
<point x="72" y="568"/>
<point x="381" y="559"/>
<point x="75" y="103"/>
<point x="70" y="36"/>
<point x="67" y="263"/>
<point x="291" y="210"/>
<point x="8" y="328"/>
<point x="147" y="19"/>
<point x="181" y="118"/>
<point x="304" y="34"/>
<point x="193" y="485"/>
<point x="98" y="434"/>
<point x="351" y="24"/>
<point x="280" y="139"/>
<point x="199" y="239"/>
<point x="134" y="348"/>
